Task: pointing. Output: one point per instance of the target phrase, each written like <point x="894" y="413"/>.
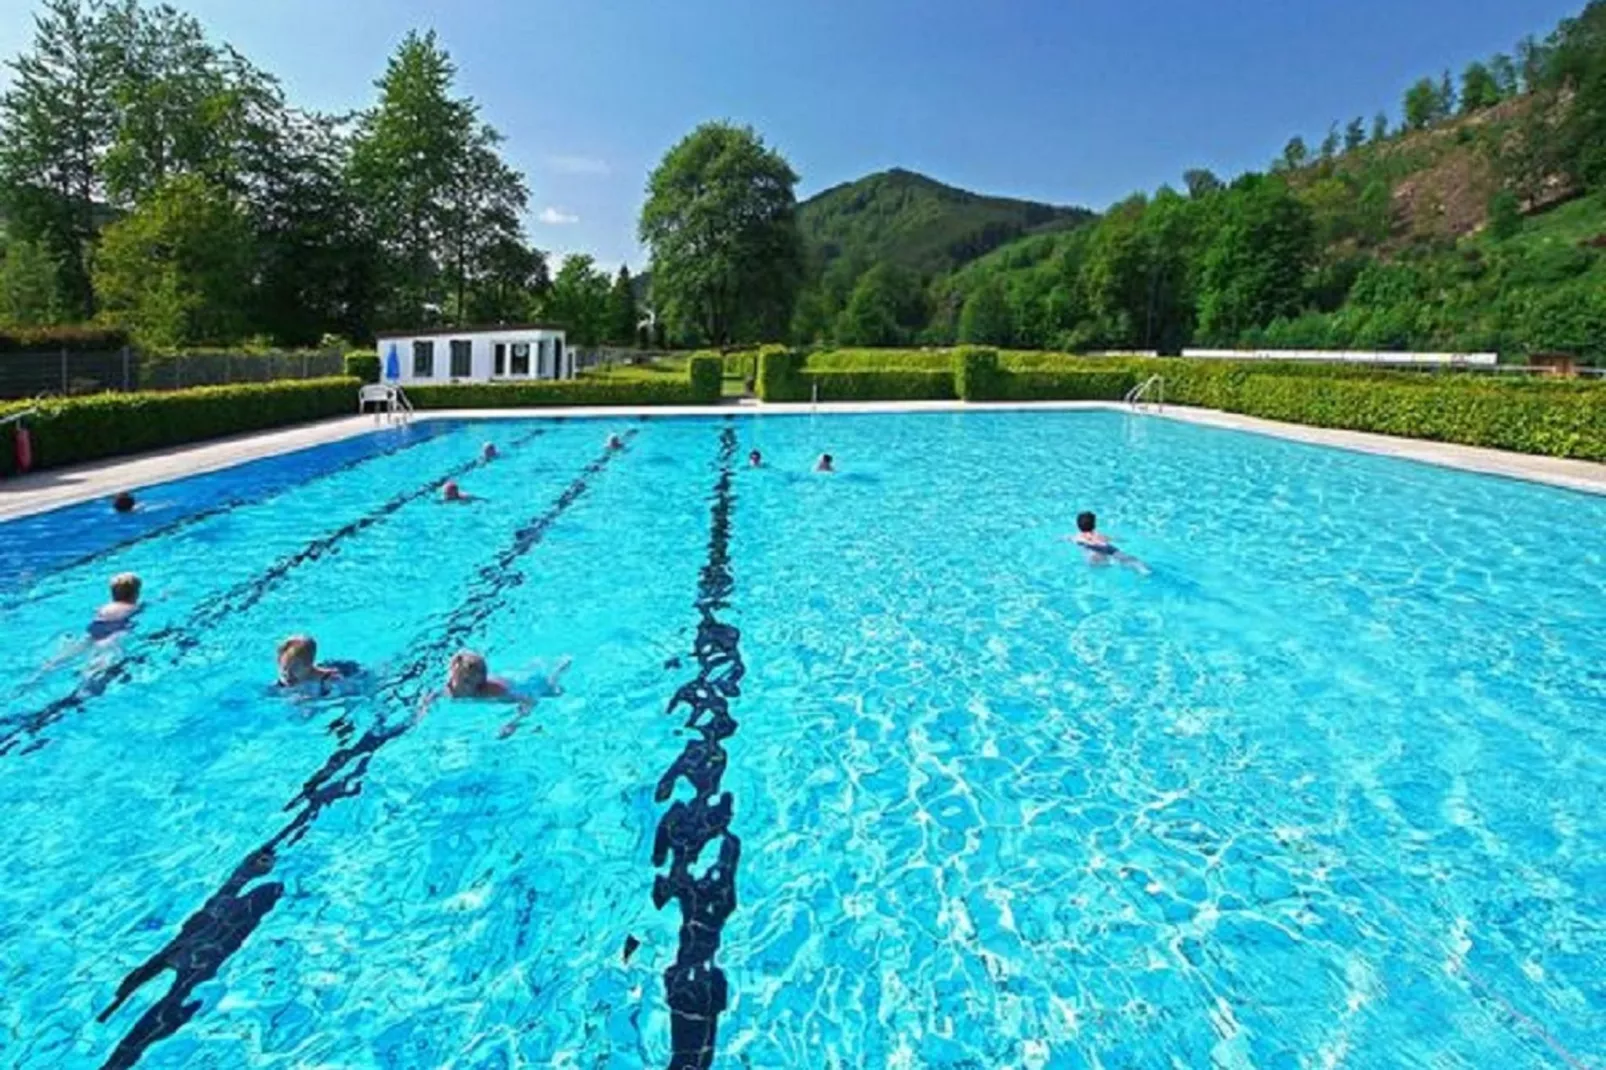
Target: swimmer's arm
<point x="526" y="704"/>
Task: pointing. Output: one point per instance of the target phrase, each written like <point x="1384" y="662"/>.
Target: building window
<point x="501" y="358"/>
<point x="557" y="358"/>
<point x="423" y="360"/>
<point x="462" y="358"/>
<point x="521" y="358"/>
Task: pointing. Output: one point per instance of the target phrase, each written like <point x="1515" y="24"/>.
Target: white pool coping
<point x="54" y="488"/>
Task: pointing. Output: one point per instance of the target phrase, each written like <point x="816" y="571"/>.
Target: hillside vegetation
<point x="1476" y="223"/>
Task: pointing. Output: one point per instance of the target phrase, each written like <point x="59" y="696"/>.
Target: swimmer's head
<point x="755" y="458"/>
<point x="124" y="502"/>
<point x="125" y="588"/>
<point x="827" y="463"/>
<point x="451" y="492"/>
<point x="466" y="674"/>
<point x="488" y="451"/>
<point x="1086" y="522"/>
<point x="298" y="655"/>
<point x="615" y="442"/>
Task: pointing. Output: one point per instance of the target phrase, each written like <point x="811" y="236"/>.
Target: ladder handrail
<point x="1135" y="397"/>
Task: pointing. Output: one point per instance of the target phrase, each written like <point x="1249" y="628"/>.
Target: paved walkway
<point x="65" y="486"/>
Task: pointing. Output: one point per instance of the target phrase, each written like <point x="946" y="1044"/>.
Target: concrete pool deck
<point x="54" y="488"/>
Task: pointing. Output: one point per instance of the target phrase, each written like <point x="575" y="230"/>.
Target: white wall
<point x="482" y="356"/>
<point x="1333" y="356"/>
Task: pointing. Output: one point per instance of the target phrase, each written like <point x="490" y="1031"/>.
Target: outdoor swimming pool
<point x="1326" y="789"/>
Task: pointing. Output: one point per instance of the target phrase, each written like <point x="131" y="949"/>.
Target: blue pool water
<point x="1327" y="788"/>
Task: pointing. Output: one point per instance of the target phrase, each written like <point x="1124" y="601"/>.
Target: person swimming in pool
<point x="469" y="677"/>
<point x="826" y="463"/>
<point x="124" y="502"/>
<point x="488" y="452"/>
<point x="298" y="666"/>
<point x="452" y="493"/>
<point x="1098" y="547"/>
<point x="755" y="459"/>
<point x="614" y="442"/>
<point x="117" y="616"/>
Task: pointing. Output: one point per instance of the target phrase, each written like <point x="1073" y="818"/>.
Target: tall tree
<point x="887" y="308"/>
<point x="431" y="185"/>
<point x="1422" y="105"/>
<point x="1380" y="128"/>
<point x="28" y="293"/>
<point x="1331" y="142"/>
<point x="57" y="120"/>
<point x="1355" y="134"/>
<point x="1295" y="154"/>
<point x="1479" y="90"/>
<point x="176" y="270"/>
<point x="578" y="300"/>
<point x="1504" y="71"/>
<point x="1253" y="270"/>
<point x="1200" y="182"/>
<point x="1446" y="95"/>
<point x="721" y="221"/>
<point x="623" y="316"/>
<point x="986" y="318"/>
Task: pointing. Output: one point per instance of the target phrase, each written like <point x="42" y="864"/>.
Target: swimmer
<point x="615" y="442"/>
<point x="124" y="502"/>
<point x="298" y="664"/>
<point x="488" y="452"/>
<point x="1098" y="547"/>
<point x="755" y="459"/>
<point x="825" y="464"/>
<point x="451" y="492"/>
<point x="469" y="677"/>
<point x="117" y="616"/>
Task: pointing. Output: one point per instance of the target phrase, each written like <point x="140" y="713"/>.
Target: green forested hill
<point x="914" y="222"/>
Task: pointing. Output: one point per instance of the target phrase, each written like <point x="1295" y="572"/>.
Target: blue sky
<point x="1072" y="102"/>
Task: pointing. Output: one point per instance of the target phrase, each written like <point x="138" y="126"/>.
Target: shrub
<point x="77" y="339"/>
<point x="706" y="375"/>
<point x="879" y="360"/>
<point x="897" y="385"/>
<point x="778" y="375"/>
<point x="1076" y="385"/>
<point x="363" y="365"/>
<point x="72" y="430"/>
<point x="741" y="364"/>
<point x="551" y="393"/>
<point x="975" y="373"/>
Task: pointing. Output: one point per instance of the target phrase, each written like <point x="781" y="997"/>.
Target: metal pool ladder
<point x="393" y="404"/>
<point x="1151" y="389"/>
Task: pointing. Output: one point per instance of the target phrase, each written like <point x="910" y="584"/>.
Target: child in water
<point x="469" y="677"/>
<point x="298" y="666"/>
<point x="826" y="463"/>
<point x="455" y="495"/>
<point x="117" y="616"/>
<point x="1098" y="547"/>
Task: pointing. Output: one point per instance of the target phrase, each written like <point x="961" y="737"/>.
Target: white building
<point x="514" y="353"/>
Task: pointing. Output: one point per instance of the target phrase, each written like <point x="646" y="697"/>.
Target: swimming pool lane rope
<point x="220" y="927"/>
<point x="694" y="986"/>
<point x="211" y="611"/>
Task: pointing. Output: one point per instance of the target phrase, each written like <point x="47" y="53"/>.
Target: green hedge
<point x="741" y="364"/>
<point x="903" y="384"/>
<point x="699" y="386"/>
<point x="73" y="430"/>
<point x="975" y="372"/>
<point x="77" y="339"/>
<point x="780" y="374"/>
<point x="1079" y="385"/>
<point x="363" y="365"/>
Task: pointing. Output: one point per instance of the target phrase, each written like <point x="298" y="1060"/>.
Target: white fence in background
<point x="1335" y="356"/>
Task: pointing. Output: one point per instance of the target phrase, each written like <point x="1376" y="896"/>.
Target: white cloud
<point x="556" y="217"/>
<point x="577" y="165"/>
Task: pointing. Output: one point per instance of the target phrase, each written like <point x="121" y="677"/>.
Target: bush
<point x="975" y="373"/>
<point x="552" y="393"/>
<point x="779" y="377"/>
<point x="896" y="385"/>
<point x="363" y="365"/>
<point x="741" y="364"/>
<point x="74" y="339"/>
<point x="880" y="360"/>
<point x="1110" y="385"/>
<point x="706" y="375"/>
<point x="72" y="430"/>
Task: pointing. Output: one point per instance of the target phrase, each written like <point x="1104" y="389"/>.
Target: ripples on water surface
<point x="1327" y="789"/>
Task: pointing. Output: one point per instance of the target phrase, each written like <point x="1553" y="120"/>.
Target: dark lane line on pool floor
<point x="208" y="938"/>
<point x="694" y="987"/>
<point x="174" y="526"/>
<point x="210" y="611"/>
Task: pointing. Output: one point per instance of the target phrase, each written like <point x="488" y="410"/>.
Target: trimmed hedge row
<point x="76" y="339"/>
<point x="700" y="386"/>
<point x="72" y="430"/>
<point x="788" y="375"/>
<point x="363" y="365"/>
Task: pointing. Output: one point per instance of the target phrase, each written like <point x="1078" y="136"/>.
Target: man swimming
<point x="1098" y="547"/>
<point x="124" y="502"/>
<point x="488" y="452"/>
<point x="826" y="463"/>
<point x="614" y="443"/>
<point x="116" y="616"/>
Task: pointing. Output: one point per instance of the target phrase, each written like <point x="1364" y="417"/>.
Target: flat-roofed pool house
<point x="511" y="353"/>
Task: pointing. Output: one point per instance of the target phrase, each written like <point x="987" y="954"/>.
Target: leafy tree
<point x="1479" y="89"/>
<point x="1355" y="134"/>
<point x="509" y="282"/>
<point x="812" y="317"/>
<point x="1505" y="215"/>
<point x="1446" y="96"/>
<point x="1253" y="269"/>
<point x="176" y="271"/>
<point x="579" y="300"/>
<point x="1504" y="72"/>
<point x="57" y="119"/>
<point x="1380" y="128"/>
<point x="1295" y="153"/>
<point x="623" y="315"/>
<point x="721" y="221"/>
<point x="434" y="191"/>
<point x="1422" y="105"/>
<point x="1116" y="274"/>
<point x="986" y="318"/>
<point x="1575" y="64"/>
<point x="1330" y="143"/>
<point x="1200" y="182"/>
<point x="887" y="307"/>
<point x="1533" y="63"/>
<point x="28" y="294"/>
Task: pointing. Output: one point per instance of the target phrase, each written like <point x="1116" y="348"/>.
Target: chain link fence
<point x="65" y="371"/>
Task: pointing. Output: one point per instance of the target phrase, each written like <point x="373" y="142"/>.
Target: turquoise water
<point x="1327" y="788"/>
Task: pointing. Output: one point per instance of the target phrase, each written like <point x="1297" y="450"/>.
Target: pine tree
<point x="622" y="313"/>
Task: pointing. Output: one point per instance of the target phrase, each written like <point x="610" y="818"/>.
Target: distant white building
<point x="515" y="353"/>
